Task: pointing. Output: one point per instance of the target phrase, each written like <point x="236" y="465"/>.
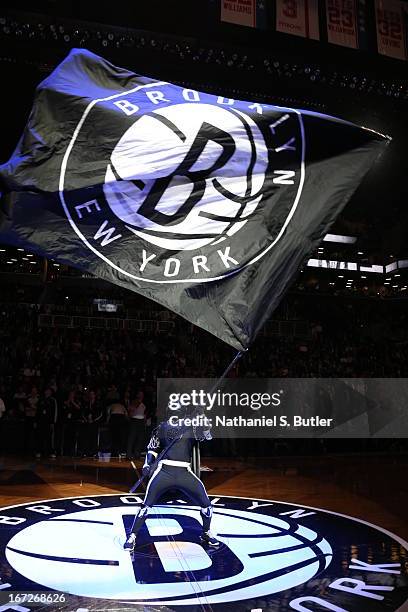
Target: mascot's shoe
<point x="208" y="539"/>
<point x="130" y="543"/>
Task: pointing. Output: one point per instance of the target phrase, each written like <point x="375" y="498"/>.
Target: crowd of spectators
<point x="83" y="391"/>
<point x="77" y="392"/>
<point x="86" y="423"/>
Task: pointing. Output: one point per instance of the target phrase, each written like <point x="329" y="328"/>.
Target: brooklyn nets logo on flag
<point x="185" y="175"/>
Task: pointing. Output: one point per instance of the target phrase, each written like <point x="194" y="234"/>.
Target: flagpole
<point x="196" y="445"/>
<point x="220" y="379"/>
<point x="231" y="365"/>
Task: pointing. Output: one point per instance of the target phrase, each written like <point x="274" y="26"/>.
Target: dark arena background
<point x="303" y="523"/>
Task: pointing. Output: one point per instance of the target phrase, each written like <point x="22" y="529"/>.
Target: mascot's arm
<point x="152" y="451"/>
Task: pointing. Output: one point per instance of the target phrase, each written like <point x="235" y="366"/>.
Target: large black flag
<point x="204" y="204"/>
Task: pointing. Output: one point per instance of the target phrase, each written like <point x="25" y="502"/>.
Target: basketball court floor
<point x="304" y="533"/>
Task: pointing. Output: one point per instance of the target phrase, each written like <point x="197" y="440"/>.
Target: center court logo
<point x="182" y="175"/>
<point x="288" y="557"/>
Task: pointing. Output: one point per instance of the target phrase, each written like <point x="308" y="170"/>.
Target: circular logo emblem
<point x="173" y="201"/>
<point x="180" y="180"/>
<point x="287" y="557"/>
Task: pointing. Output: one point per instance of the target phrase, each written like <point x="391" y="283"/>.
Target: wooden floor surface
<point x="373" y="488"/>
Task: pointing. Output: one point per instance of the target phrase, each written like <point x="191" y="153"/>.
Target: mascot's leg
<point x="195" y="489"/>
<point x="206" y="535"/>
<point x="136" y="527"/>
<point x="206" y="516"/>
<point x="158" y="485"/>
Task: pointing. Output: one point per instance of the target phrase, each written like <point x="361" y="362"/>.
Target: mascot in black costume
<point x="168" y="466"/>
